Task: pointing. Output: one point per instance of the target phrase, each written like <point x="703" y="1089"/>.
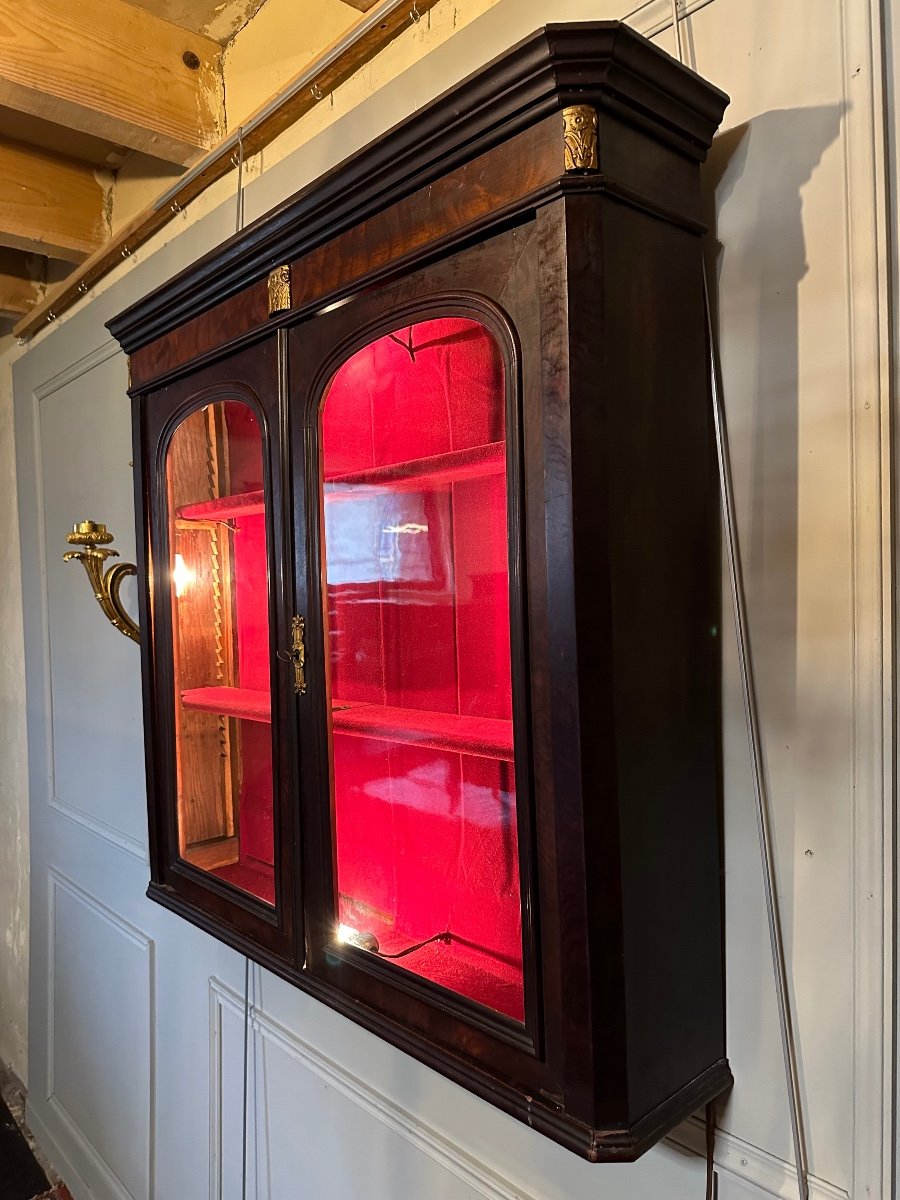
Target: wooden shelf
<point x="433" y="471"/>
<point x="244" y="504"/>
<point x="437" y="470"/>
<point x="246" y="703"/>
<point x="484" y="737"/>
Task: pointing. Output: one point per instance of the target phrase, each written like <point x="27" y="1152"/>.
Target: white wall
<point x="13" y="769"/>
<point x="802" y="278"/>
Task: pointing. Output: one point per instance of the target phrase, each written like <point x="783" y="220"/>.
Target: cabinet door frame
<point x="250" y="376"/>
<point x="399" y="1005"/>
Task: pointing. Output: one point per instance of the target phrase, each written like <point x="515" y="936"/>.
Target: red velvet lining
<point x="418" y="622"/>
<point x="249" y="701"/>
<point x="254" y="877"/>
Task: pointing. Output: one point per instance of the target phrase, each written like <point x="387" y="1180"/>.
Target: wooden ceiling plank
<point x="113" y="70"/>
<point x="20" y="283"/>
<point x="49" y="204"/>
<point x="335" y="70"/>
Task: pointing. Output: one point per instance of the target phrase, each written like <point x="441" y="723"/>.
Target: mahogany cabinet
<point x="428" y="557"/>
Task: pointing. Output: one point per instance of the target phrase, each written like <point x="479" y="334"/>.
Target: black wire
<point x="711" y="1151"/>
<point x="246" y="1060"/>
<point x="411" y="351"/>
<point x="437" y="937"/>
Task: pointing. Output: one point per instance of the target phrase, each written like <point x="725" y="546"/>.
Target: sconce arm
<point x="94" y="537"/>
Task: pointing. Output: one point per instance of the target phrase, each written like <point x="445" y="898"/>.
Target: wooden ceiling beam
<point x="333" y="66"/>
<point x="21" y="282"/>
<point x="49" y="204"/>
<point x="112" y="70"/>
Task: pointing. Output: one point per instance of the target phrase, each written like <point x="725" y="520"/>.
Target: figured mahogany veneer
<point x="487" y="486"/>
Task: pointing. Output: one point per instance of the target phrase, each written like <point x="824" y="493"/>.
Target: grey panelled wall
<point x="135" y="1034"/>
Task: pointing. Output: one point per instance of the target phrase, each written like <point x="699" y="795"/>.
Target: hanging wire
<point x="246" y="1078"/>
<point x="676" y="28"/>
<point x="712" y="1181"/>
<point x="757" y="762"/>
<point x="239" y="163"/>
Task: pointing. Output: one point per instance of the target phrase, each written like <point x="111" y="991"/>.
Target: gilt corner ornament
<point x="94" y="537"/>
<point x="279" y="290"/>
<point x="580" y="124"/>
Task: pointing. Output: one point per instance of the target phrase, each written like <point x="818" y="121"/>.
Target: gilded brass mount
<point x="279" y="290"/>
<point x="580" y="133"/>
<point x="297" y="654"/>
<point x="95" y="537"/>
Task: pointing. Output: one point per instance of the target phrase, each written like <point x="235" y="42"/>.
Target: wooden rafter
<point x="49" y="204"/>
<point x="111" y="69"/>
<point x="20" y="283"/>
<point x="330" y="69"/>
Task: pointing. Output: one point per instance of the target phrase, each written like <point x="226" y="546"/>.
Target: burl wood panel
<point x="464" y="198"/>
<point x="460" y="201"/>
<point x="216" y="327"/>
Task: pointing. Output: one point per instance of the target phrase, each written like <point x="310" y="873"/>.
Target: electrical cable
<point x="239" y="163"/>
<point x="407" y="345"/>
<point x="757" y="763"/>
<point x="676" y="29"/>
<point x="447" y="936"/>
<point x="246" y="1075"/>
<point x="751" y="714"/>
<point x="711" y="1180"/>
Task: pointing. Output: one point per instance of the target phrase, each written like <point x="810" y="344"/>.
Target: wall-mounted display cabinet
<point x="428" y="558"/>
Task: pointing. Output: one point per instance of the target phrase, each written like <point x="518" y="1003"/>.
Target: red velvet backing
<point x="245" y="695"/>
<point x="418" y="620"/>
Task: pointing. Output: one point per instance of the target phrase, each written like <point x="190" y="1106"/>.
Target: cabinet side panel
<point x="577" y="770"/>
<point x="662" y="531"/>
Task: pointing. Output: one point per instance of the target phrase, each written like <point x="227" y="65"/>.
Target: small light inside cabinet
<point x="348" y="936"/>
<point x="182" y="575"/>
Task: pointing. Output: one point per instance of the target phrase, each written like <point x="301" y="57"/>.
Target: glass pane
<point x="417" y="621"/>
<point x="220" y="622"/>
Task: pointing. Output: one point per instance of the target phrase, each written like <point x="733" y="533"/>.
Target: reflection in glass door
<point x="417" y="621"/>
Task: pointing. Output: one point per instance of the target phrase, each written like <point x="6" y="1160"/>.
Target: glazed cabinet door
<point x="220" y="697"/>
<point x="422" y="887"/>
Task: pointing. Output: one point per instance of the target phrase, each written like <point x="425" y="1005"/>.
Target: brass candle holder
<point x="95" y="538"/>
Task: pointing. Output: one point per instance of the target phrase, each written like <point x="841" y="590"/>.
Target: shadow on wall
<point x="753" y="186"/>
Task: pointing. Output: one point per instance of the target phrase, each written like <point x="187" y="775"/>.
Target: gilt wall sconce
<point x="95" y="538"/>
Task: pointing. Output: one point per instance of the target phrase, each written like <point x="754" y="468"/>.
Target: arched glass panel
<point x="220" y="620"/>
<point x="417" y="621"/>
